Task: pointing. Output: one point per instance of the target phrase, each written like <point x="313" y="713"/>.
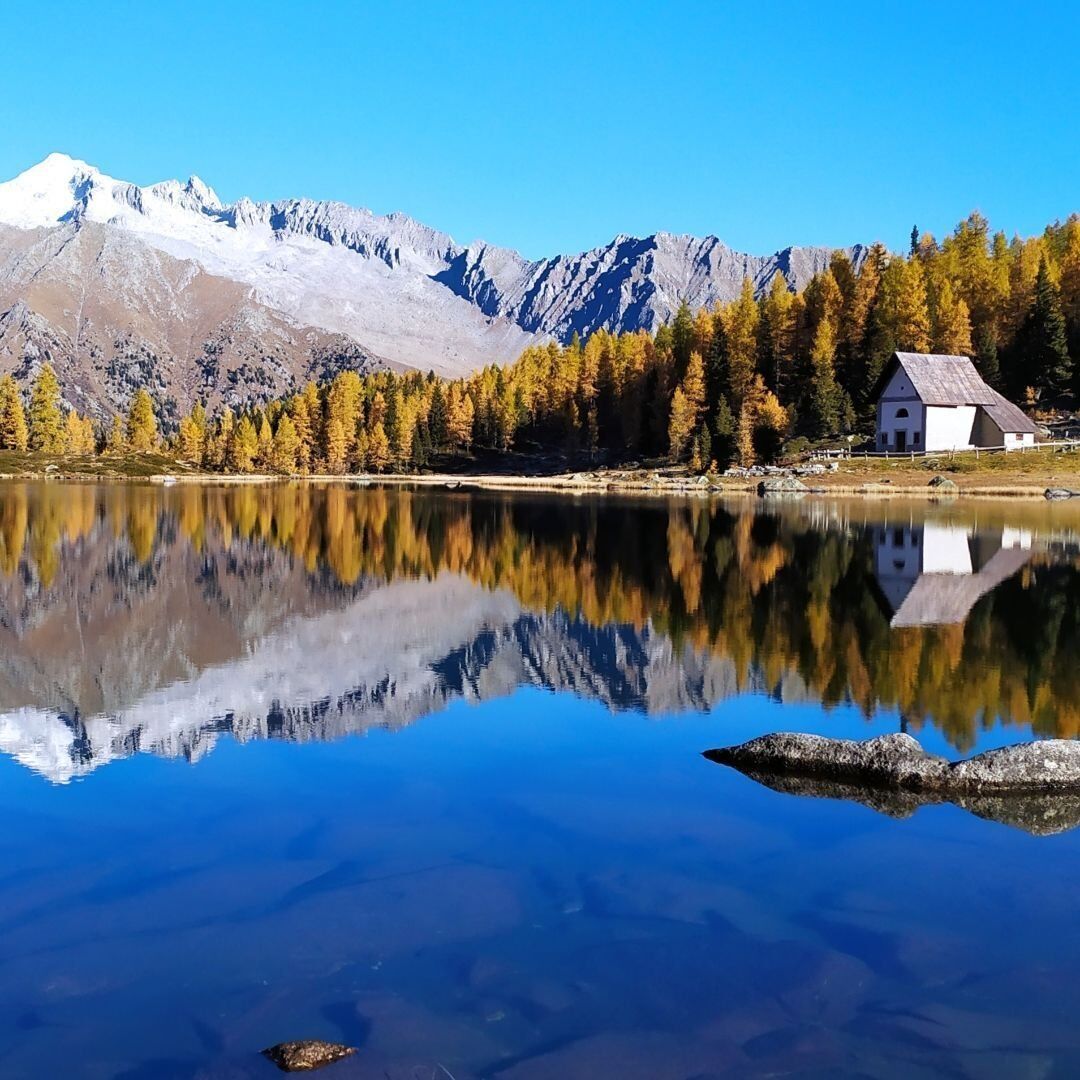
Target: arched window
<point x="901" y="414"/>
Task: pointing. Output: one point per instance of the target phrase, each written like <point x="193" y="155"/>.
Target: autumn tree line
<point x="733" y="384"/>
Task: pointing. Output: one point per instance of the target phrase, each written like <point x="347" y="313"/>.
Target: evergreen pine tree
<point x="704" y="438"/>
<point x="438" y="420"/>
<point x="1044" y="348"/>
<point x="986" y="356"/>
<point x="716" y="367"/>
<point x="825" y="400"/>
<point x="682" y="339"/>
<point x="724" y="447"/>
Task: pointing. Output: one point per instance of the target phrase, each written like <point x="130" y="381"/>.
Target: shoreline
<point x="597" y="482"/>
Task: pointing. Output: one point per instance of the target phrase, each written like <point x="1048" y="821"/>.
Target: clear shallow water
<point x="423" y="773"/>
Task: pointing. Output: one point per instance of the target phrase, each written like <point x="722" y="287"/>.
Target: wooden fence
<point x="1052" y="445"/>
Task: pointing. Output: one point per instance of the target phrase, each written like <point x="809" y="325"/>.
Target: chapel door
<point x="901" y="441"/>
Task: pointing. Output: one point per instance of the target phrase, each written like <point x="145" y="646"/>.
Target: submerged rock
<point x="897" y="762"/>
<point x="306" y="1054"/>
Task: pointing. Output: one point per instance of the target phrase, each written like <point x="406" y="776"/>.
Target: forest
<point x="745" y="382"/>
<point x="789" y="604"/>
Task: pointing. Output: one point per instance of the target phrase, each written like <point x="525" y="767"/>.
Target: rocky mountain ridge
<point x="166" y="285"/>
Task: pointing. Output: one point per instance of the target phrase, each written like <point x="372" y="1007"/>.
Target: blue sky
<point x="553" y="127"/>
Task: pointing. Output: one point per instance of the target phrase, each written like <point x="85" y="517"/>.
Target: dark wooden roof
<point x="1010" y="417"/>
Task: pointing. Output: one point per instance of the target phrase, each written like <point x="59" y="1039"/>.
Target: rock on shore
<point x="898" y="762"/>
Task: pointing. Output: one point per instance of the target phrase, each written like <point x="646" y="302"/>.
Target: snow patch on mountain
<point x="400" y="289"/>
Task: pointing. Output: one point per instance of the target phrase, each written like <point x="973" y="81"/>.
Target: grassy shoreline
<point x="1000" y="476"/>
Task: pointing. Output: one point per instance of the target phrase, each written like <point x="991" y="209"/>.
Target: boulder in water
<point x="306" y="1054"/>
<point x="898" y="762"/>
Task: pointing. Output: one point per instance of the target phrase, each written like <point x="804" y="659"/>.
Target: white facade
<point x="934" y="574"/>
<point x="1015" y="440"/>
<point x="901" y="416"/>
<point x="907" y="424"/>
<point x="950" y="427"/>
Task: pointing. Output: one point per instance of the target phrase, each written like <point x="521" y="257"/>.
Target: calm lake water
<point x="423" y="772"/>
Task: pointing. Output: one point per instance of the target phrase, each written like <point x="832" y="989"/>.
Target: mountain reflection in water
<point x="140" y="618"/>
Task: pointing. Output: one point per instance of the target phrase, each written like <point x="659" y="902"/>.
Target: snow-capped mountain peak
<point x="47" y="193"/>
<point x="397" y="288"/>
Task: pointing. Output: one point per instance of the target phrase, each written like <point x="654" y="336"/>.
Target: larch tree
<point x="301" y="418"/>
<point x="912" y="312"/>
<point x="681" y="424"/>
<point x="46" y="424"/>
<point x="141" y="424"/>
<point x="460" y="415"/>
<point x="264" y="455"/>
<point x="242" y="446"/>
<point x="769" y="422"/>
<point x="286" y="446"/>
<point x="778" y="337"/>
<point x="378" y="449"/>
<point x="687" y="407"/>
<point x="115" y="439"/>
<point x="78" y="434"/>
<point x="951" y="322"/>
<point x="741" y="325"/>
<point x="13" y="431"/>
<point x="337" y="451"/>
<point x="190" y="441"/>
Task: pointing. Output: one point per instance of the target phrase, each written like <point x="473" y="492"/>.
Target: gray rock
<point x="898" y="763"/>
<point x="306" y="1054"/>
<point x="943" y="482"/>
<point x="782" y="485"/>
<point x="1061" y="493"/>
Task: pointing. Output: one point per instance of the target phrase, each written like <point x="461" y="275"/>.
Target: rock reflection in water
<point x="1038" y="813"/>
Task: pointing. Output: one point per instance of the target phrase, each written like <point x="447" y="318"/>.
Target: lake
<point x="422" y="772"/>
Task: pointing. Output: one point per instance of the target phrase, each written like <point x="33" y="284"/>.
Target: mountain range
<point x="168" y="287"/>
